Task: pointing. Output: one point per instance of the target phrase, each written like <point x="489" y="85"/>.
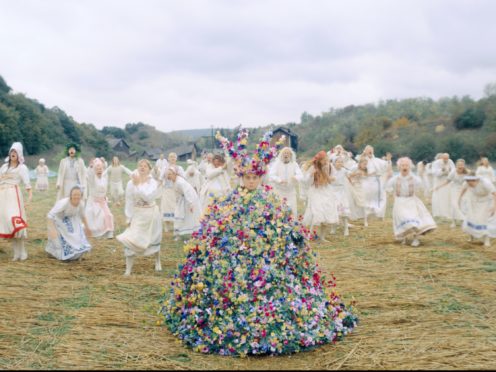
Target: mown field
<point x="430" y="307"/>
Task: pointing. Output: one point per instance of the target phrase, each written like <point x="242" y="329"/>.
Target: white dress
<point x="357" y="200"/>
<point x="373" y="187"/>
<point x="185" y="221"/>
<point x="168" y="200"/>
<point x="72" y="172"/>
<point x="478" y="221"/>
<point x="340" y="187"/>
<point x="98" y="215"/>
<point x="13" y="221"/>
<point x="441" y="199"/>
<point x="284" y="172"/>
<point x="455" y="188"/>
<point x="71" y="241"/>
<point x="322" y="206"/>
<point x="115" y="180"/>
<point x="143" y="236"/>
<point x="194" y="177"/>
<point x="486" y="172"/>
<point x="217" y="184"/>
<point x="410" y="216"/>
<point x="41" y="178"/>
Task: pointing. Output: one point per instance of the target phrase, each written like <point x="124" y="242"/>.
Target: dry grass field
<point x="430" y="307"/>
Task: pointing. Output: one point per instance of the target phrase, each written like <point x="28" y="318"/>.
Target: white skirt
<point x="13" y="222"/>
<point x="186" y="222"/>
<point x="116" y="190"/>
<point x="71" y="241"/>
<point x="478" y="221"/>
<point x="168" y="204"/>
<point x="322" y="207"/>
<point x="410" y="216"/>
<point x="374" y="195"/>
<point x="454" y="191"/>
<point x="441" y="202"/>
<point x="342" y="200"/>
<point x="42" y="183"/>
<point x="290" y="196"/>
<point x="99" y="218"/>
<point x="144" y="234"/>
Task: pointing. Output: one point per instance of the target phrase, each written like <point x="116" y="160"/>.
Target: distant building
<point x="150" y="154"/>
<point x="119" y="145"/>
<point x="185" y="152"/>
<point x="291" y="137"/>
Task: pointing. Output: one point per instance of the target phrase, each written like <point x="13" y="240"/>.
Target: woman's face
<point x="13" y="156"/>
<point x="75" y="197"/>
<point x="143" y="168"/>
<point x="362" y="164"/>
<point x="217" y="162"/>
<point x="251" y="181"/>
<point x="172" y="158"/>
<point x="171" y="176"/>
<point x="485" y="162"/>
<point x="99" y="169"/>
<point x="339" y="164"/>
<point x="404" y="168"/>
<point x="72" y="152"/>
<point x="460" y="166"/>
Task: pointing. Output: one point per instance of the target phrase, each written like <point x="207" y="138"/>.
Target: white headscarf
<point x="17" y="146"/>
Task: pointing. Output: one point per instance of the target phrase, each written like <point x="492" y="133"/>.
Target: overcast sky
<point x="192" y="64"/>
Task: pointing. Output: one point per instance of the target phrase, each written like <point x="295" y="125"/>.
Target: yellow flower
<point x="217" y="330"/>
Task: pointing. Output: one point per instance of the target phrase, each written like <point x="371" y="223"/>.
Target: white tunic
<point x="41" y="178"/>
<point x="13" y="221"/>
<point x="217" y="184"/>
<point x="71" y="241"/>
<point x="285" y="178"/>
<point x="410" y="216"/>
<point x="322" y="206"/>
<point x="194" y="177"/>
<point x="98" y="215"/>
<point x="72" y="172"/>
<point x="441" y="199"/>
<point x="486" y="172"/>
<point x="479" y="201"/>
<point x="341" y="186"/>
<point x="455" y="188"/>
<point x="373" y="187"/>
<point x="144" y="233"/>
<point x="168" y="200"/>
<point x="185" y="221"/>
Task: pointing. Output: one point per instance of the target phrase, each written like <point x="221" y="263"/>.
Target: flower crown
<point x="258" y="161"/>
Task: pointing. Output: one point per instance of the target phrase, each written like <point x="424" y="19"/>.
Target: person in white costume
<point x="205" y="162"/>
<point x="455" y="181"/>
<point x="285" y="174"/>
<point x="340" y="186"/>
<point x="67" y="228"/>
<point x="358" y="203"/>
<point x="168" y="200"/>
<point x="485" y="170"/>
<point x="422" y="173"/>
<point x="193" y="175"/>
<point x="143" y="235"/>
<point x="217" y="183"/>
<point x="347" y="157"/>
<point x="41" y="176"/>
<point x="373" y="184"/>
<point x="13" y="219"/>
<point x="72" y="172"/>
<point x="441" y="200"/>
<point x="114" y="173"/>
<point x="410" y="216"/>
<point x="322" y="206"/>
<point x="100" y="218"/>
<point x="188" y="208"/>
<point x="160" y="166"/>
<point x="480" y="207"/>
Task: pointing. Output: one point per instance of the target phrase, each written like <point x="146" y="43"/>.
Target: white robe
<point x="441" y="199"/>
<point x="168" y="199"/>
<point x="340" y="186"/>
<point x="185" y="221"/>
<point x="71" y="241"/>
<point x="13" y="220"/>
<point x="486" y="172"/>
<point x="217" y="184"/>
<point x="410" y="216"/>
<point x="455" y="188"/>
<point x="98" y="215"/>
<point x="64" y="183"/>
<point x="322" y="206"/>
<point x="143" y="236"/>
<point x="285" y="178"/>
<point x="373" y="187"/>
<point x="194" y="177"/>
<point x="41" y="178"/>
<point x="478" y="204"/>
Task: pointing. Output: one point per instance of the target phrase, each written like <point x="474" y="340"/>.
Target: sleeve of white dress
<point x="488" y="185"/>
<point x="180" y="171"/>
<point x="24" y="173"/>
<point x="58" y="208"/>
<point x="213" y="172"/>
<point x="273" y="172"/>
<point x="129" y="207"/>
<point x="451" y="175"/>
<point x="390" y="184"/>
<point x="59" y="173"/>
<point x="298" y="173"/>
<point x="188" y="192"/>
<point x="126" y="170"/>
<point x="436" y="169"/>
<point x="419" y="185"/>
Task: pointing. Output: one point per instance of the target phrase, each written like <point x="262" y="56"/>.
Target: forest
<point x="416" y="127"/>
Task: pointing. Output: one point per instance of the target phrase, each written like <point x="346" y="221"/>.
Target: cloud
<point x="193" y="64"/>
